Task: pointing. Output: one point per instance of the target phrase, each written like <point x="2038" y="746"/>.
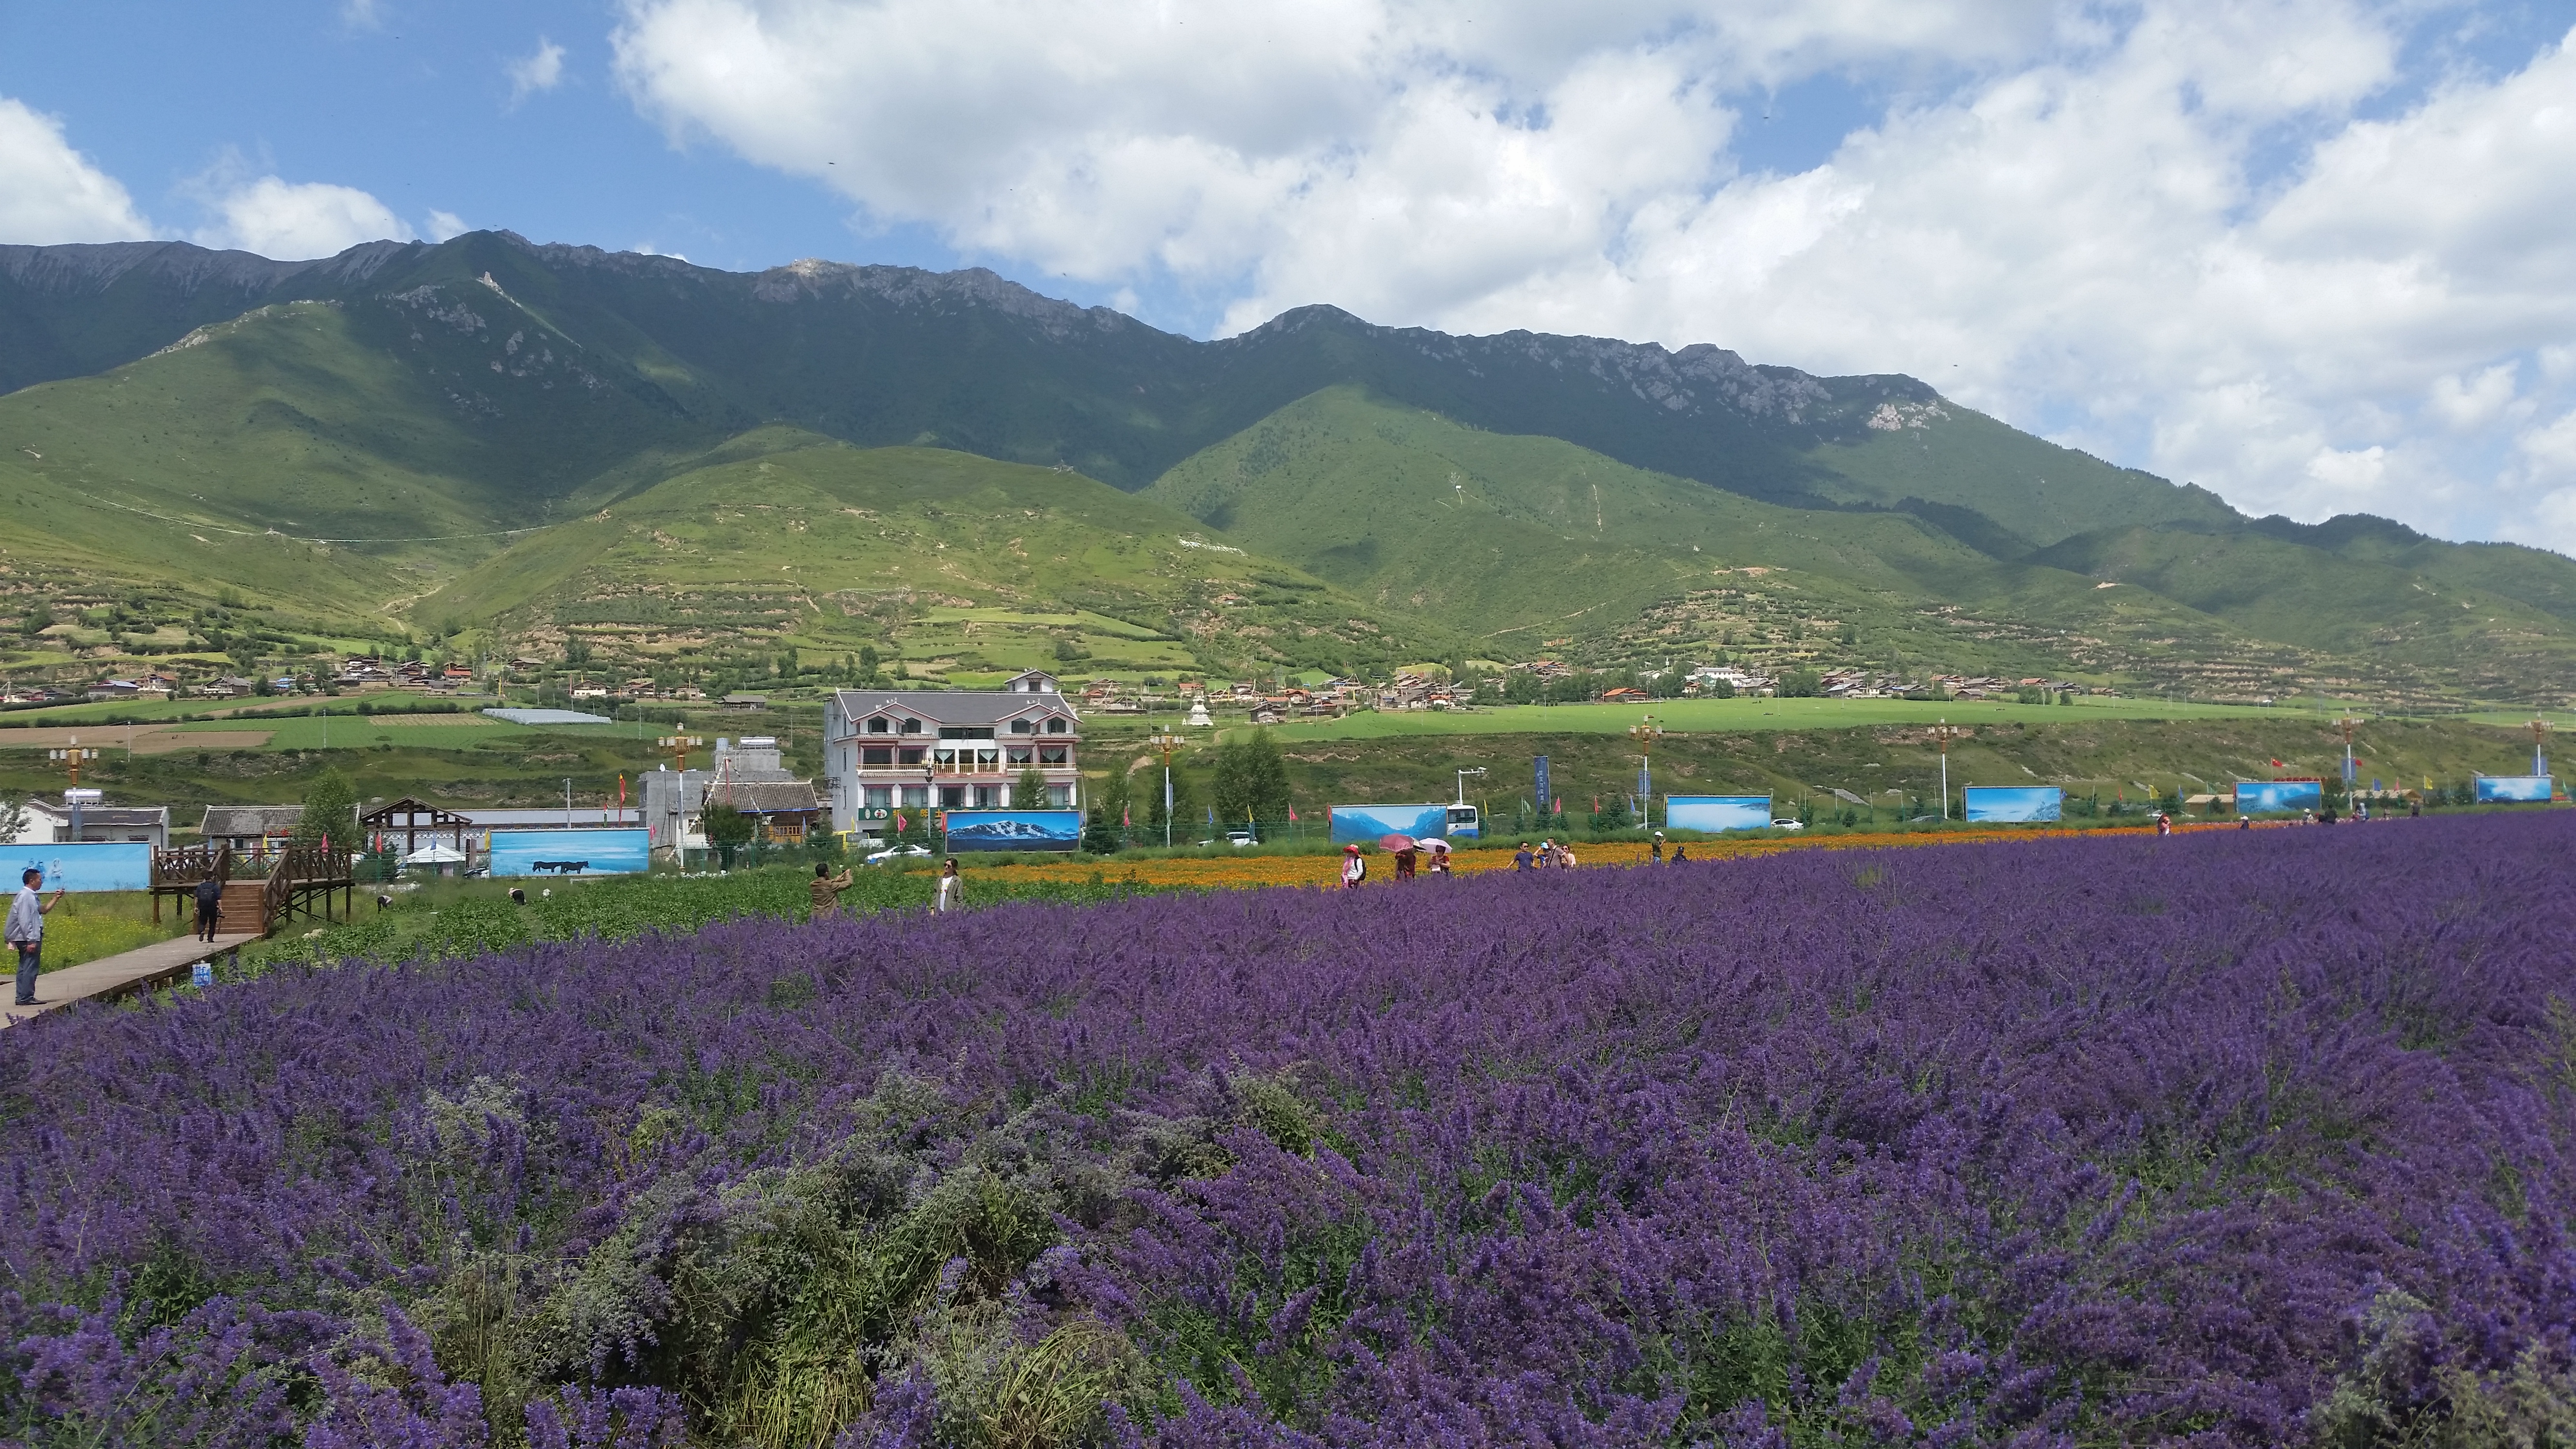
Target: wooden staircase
<point x="297" y="880"/>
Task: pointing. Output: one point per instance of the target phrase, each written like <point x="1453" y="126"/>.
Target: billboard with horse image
<point x="571" y="852"/>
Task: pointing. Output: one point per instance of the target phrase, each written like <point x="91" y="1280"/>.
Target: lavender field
<point x="2252" y="1138"/>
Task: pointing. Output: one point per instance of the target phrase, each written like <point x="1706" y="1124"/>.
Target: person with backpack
<point x="1354" y="867"/>
<point x="209" y="896"/>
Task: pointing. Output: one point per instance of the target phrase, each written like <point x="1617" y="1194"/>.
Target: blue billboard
<point x="2514" y="789"/>
<point x="1014" y="829"/>
<point x="2015" y="804"/>
<point x="2277" y="797"/>
<point x="1713" y="813"/>
<point x="571" y="852"/>
<point x="1363" y="824"/>
<point x="125" y="865"/>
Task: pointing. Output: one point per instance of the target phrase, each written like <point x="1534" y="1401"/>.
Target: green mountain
<point x="529" y="444"/>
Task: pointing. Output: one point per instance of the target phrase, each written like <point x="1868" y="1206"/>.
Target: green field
<point x="1721" y="715"/>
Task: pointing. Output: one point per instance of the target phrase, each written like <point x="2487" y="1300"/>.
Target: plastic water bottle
<point x="202" y="975"/>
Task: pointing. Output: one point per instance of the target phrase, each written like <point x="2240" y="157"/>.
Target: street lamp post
<point x="679" y="746"/>
<point x="2539" y="735"/>
<point x="73" y="797"/>
<point x="1645" y="733"/>
<point x="2351" y="779"/>
<point x="1945" y="732"/>
<point x="1478" y="770"/>
<point x="1167" y="742"/>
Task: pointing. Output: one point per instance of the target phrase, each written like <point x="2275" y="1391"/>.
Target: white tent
<point x="435" y="855"/>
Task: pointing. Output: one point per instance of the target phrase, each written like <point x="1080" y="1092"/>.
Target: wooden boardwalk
<point x="136" y="970"/>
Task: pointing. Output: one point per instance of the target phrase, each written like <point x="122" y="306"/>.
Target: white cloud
<point x="295" y="220"/>
<point x="51" y="193"/>
<point x="362" y="14"/>
<point x="445" y="224"/>
<point x="541" y="71"/>
<point x="2159" y="231"/>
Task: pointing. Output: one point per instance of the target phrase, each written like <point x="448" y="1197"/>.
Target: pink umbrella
<point x="1395" y="842"/>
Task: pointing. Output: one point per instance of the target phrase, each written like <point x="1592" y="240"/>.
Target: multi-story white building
<point x="887" y="751"/>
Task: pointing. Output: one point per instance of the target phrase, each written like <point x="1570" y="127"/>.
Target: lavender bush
<point x="2223" y="1139"/>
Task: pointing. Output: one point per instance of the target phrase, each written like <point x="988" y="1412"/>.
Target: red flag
<point x="898" y="824"/>
<point x="1292" y="814"/>
<point x="2277" y="765"/>
<point x="621" y="792"/>
<point x="1126" y="818"/>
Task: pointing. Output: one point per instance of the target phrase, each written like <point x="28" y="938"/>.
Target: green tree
<point x="724" y="825"/>
<point x="1251" y="781"/>
<point x="1100" y="833"/>
<point x="330" y="812"/>
<point x="1029" y="792"/>
<point x="1800" y="684"/>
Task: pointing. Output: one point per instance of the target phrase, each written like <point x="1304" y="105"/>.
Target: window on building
<point x="881" y="755"/>
<point x="952" y="797"/>
<point x="1019" y="757"/>
<point x="1059" y="797"/>
<point x="880" y="725"/>
<point x="988" y="797"/>
<point x="916" y="797"/>
<point x="907" y="757"/>
<point x="1022" y="727"/>
<point x="965" y="732"/>
<point x="1054" y="756"/>
<point x="880" y="797"/>
<point x="912" y="726"/>
<point x="1055" y="726"/>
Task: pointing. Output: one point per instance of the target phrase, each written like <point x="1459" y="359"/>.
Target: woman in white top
<point x="952" y="890"/>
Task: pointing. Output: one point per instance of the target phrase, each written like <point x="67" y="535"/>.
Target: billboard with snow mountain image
<point x="1014" y="829"/>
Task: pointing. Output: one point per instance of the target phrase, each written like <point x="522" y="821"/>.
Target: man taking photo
<point x="26" y="930"/>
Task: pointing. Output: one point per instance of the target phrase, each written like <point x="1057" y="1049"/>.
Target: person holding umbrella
<point x="1354" y="868"/>
<point x="1439" y="850"/>
<point x="1407" y="855"/>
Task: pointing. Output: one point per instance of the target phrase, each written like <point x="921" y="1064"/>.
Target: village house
<point x="890" y="750"/>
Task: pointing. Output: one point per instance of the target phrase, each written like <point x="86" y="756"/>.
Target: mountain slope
<point x="357" y="435"/>
<point x="783" y="538"/>
<point x="889" y="355"/>
<point x="1499" y="534"/>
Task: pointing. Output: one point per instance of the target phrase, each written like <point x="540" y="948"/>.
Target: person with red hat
<point x="1354" y="867"/>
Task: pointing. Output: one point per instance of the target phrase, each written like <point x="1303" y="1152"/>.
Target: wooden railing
<point x="179" y="869"/>
<point x="299" y="873"/>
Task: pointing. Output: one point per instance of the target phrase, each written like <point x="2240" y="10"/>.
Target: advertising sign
<point x="2015" y="804"/>
<point x="1539" y="768"/>
<point x="1713" y="813"/>
<point x="125" y="865"/>
<point x="1014" y="829"/>
<point x="1363" y="824"/>
<point x="2275" y="797"/>
<point x="2514" y="789"/>
<point x="571" y="852"/>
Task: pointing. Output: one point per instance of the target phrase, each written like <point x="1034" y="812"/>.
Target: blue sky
<point x="2307" y="252"/>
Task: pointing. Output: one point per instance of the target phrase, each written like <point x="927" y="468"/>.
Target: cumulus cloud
<point x="51" y="193"/>
<point x="540" y="71"/>
<point x="445" y="224"/>
<point x="296" y="220"/>
<point x="2196" y="238"/>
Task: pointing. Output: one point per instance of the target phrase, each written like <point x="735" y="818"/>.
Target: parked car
<point x="1241" y="838"/>
<point x="896" y="852"/>
<point x="1788" y="825"/>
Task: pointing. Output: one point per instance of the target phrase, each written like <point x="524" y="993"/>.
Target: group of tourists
<point x="1417" y="858"/>
<point x="825" y="889"/>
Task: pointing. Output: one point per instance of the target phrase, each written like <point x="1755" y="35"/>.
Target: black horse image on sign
<point x="559" y="867"/>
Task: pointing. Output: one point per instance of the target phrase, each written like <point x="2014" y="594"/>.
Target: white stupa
<point x="1199" y="716"/>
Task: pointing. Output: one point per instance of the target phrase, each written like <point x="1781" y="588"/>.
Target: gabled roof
<point x="407" y="809"/>
<point x="225" y="821"/>
<point x="952" y="706"/>
<point x="775" y="797"/>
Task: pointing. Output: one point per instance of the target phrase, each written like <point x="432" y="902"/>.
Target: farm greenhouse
<point x="2240" y="1138"/>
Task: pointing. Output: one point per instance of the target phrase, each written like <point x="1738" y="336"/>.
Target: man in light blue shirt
<point x="26" y="930"/>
